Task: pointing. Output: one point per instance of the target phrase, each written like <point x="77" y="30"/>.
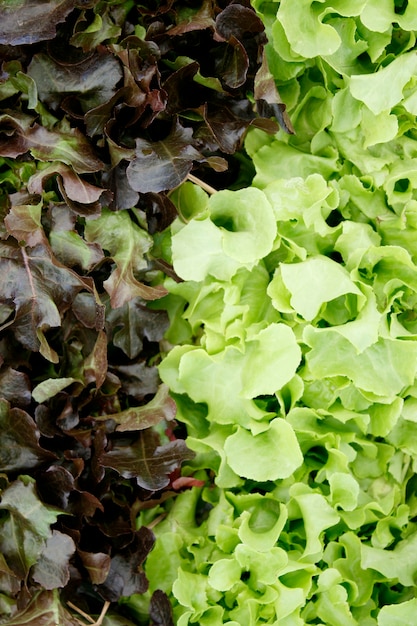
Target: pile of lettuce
<point x="105" y="107"/>
<point x="293" y="355"/>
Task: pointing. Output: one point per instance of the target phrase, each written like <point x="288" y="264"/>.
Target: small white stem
<point x="211" y="190"/>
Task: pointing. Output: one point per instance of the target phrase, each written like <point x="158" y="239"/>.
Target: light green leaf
<point x="239" y="232"/>
<point x="306" y="33"/>
<point x="386" y="368"/>
<point x="346" y="112"/>
<point x="402" y="614"/>
<point x="217" y="381"/>
<point x="197" y="252"/>
<point x="224" y="574"/>
<point x="270" y="455"/>
<point x="167" y="550"/>
<point x="315" y="281"/>
<point x="384" y="417"/>
<point x="363" y="331"/>
<point x="50" y="387"/>
<point x="397" y="564"/>
<point x="291" y="600"/>
<point x="371" y="88"/>
<point x="261" y="526"/>
<point x="378" y="128"/>
<point x="191" y="591"/>
<point x="226" y="478"/>
<point x="308" y="200"/>
<point x="356" y="238"/>
<point x="333" y="607"/>
<point x="247" y="222"/>
<point x="270" y="361"/>
<point x="191" y="200"/>
<point x="380" y="15"/>
<point x="345" y="59"/>
<point x="344" y="491"/>
<point x="264" y="567"/>
<point x="293" y="162"/>
<point x="318" y="515"/>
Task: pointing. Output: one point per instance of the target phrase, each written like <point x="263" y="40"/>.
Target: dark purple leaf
<point x="200" y="20"/>
<point x="147" y="461"/>
<point x="88" y="311"/>
<point x="115" y="523"/>
<point x="232" y="63"/>
<point x="164" y="164"/>
<point x="161" y="407"/>
<point x="95" y="365"/>
<point x="228" y="127"/>
<point x="268" y="101"/>
<point x="141" y="58"/>
<point x="25" y="22"/>
<point x="125" y="576"/>
<point x="15" y="387"/>
<point x="37" y="285"/>
<point x="72" y="148"/>
<point x="157" y="8"/>
<point x="52" y="568"/>
<point x="160" y="211"/>
<point x="20" y="449"/>
<point x="124" y="197"/>
<point x="237" y="21"/>
<point x="19" y="135"/>
<point x="97" y="565"/>
<point x="130" y="323"/>
<point x="183" y="92"/>
<point x="9" y="582"/>
<point x="84" y="504"/>
<point x="74" y="186"/>
<point x="55" y="485"/>
<point x="160" y="610"/>
<point x="138" y="379"/>
<point x="24" y="223"/>
<point x="13" y="129"/>
<point x="44" y="609"/>
<point x="93" y="79"/>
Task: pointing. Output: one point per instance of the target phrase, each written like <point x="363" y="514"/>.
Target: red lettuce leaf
<point x="146" y="460"/>
<point x="41" y="290"/>
<point x="94" y="79"/>
<point x="45" y="609"/>
<point x="20" y="449"/>
<point x="51" y="570"/>
<point x="125" y="575"/>
<point x="25" y="22"/>
<point x="164" y="164"/>
<point x="160" y="609"/>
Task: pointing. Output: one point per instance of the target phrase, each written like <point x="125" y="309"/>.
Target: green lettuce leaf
<point x="239" y="230"/>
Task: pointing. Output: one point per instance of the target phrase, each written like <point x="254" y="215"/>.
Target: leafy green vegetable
<point x="105" y="108"/>
<point x="293" y="354"/>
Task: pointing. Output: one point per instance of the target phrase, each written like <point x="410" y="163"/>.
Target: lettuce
<point x="295" y="364"/>
<point x="228" y="237"/>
